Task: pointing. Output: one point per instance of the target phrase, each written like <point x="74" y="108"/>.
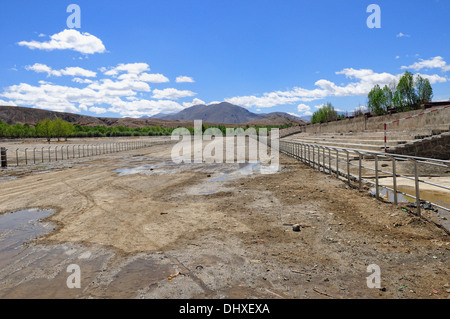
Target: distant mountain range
<point x="226" y="113"/>
<point x="223" y="113"/>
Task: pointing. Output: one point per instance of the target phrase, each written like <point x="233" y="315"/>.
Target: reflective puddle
<point x="21" y="226"/>
<point x="439" y="215"/>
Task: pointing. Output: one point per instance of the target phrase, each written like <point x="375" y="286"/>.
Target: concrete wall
<point x="432" y="147"/>
<point x="434" y="120"/>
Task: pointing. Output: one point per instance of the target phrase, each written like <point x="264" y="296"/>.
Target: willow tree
<point x="45" y="129"/>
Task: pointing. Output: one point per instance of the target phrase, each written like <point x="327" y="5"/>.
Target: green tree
<point x="325" y="114"/>
<point x="58" y="127"/>
<point x="45" y="129"/>
<point x="377" y="100"/>
<point x="424" y="90"/>
<point x="406" y="97"/>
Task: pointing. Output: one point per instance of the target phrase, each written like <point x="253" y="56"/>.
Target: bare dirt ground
<point x="140" y="226"/>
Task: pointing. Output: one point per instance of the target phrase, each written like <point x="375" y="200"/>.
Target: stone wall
<point x="432" y="147"/>
<point x="434" y="120"/>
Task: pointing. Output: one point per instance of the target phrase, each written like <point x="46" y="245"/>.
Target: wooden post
<point x="4" y="160"/>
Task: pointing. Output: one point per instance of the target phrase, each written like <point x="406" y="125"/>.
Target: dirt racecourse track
<point x="140" y="226"/>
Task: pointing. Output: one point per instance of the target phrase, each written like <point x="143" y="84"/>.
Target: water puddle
<point x="389" y="195"/>
<point x="7" y="178"/>
<point x="153" y="169"/>
<point x="437" y="214"/>
<point x="20" y="227"/>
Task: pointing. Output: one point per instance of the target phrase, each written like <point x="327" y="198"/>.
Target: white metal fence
<point x="353" y="165"/>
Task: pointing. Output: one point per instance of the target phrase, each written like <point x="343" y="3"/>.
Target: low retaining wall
<point x="432" y="147"/>
<point x="439" y="120"/>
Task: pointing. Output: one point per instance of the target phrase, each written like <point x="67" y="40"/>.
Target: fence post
<point x="26" y="158"/>
<point x="348" y="166"/>
<point x="377" y="191"/>
<point x="56" y="153"/>
<point x="337" y="163"/>
<point x="34" y="155"/>
<point x="394" y="179"/>
<point x="323" y="161"/>
<point x="416" y="180"/>
<point x="42" y="154"/>
<point x="360" y="171"/>
<point x="314" y="157"/>
<point x="309" y="155"/>
<point x="3" y="157"/>
<point x="329" y="161"/>
<point x="17" y="156"/>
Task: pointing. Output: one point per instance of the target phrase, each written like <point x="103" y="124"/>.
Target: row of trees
<point x="409" y="94"/>
<point x="326" y="113"/>
<point x="60" y="129"/>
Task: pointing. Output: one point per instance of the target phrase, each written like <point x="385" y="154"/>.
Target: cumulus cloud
<point x="69" y="39"/>
<point x="98" y="110"/>
<point x="194" y="102"/>
<point x="130" y="68"/>
<point x="6" y="103"/>
<point x="362" y="81"/>
<point x="82" y="81"/>
<point x="144" y="77"/>
<point x="303" y="108"/>
<point x="93" y="98"/>
<point x="433" y="63"/>
<point x="153" y="78"/>
<point x="184" y="79"/>
<point x="71" y="71"/>
<point x="171" y="94"/>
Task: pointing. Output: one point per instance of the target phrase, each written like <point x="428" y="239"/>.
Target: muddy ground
<point x="140" y="226"/>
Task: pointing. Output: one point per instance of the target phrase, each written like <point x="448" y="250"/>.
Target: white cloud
<point x="97" y="110"/>
<point x="434" y="78"/>
<point x="302" y="108"/>
<point x="69" y="39"/>
<point x="433" y="63"/>
<point x="194" y="102"/>
<point x="293" y="114"/>
<point x="171" y="94"/>
<point x="184" y="79"/>
<point x="130" y="68"/>
<point x="144" y="77"/>
<point x="141" y="107"/>
<point x="119" y="97"/>
<point x="42" y="68"/>
<point x="124" y="85"/>
<point x="6" y="103"/>
<point x="71" y="71"/>
<point x="77" y="71"/>
<point x="82" y="81"/>
<point x="82" y="107"/>
<point x="362" y="81"/>
<point x="153" y="78"/>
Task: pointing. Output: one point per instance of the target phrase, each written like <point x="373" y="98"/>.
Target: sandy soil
<point x="140" y="226"/>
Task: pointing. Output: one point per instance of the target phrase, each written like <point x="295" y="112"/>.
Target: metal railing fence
<point x="353" y="165"/>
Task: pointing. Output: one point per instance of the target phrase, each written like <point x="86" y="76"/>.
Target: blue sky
<point x="135" y="58"/>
